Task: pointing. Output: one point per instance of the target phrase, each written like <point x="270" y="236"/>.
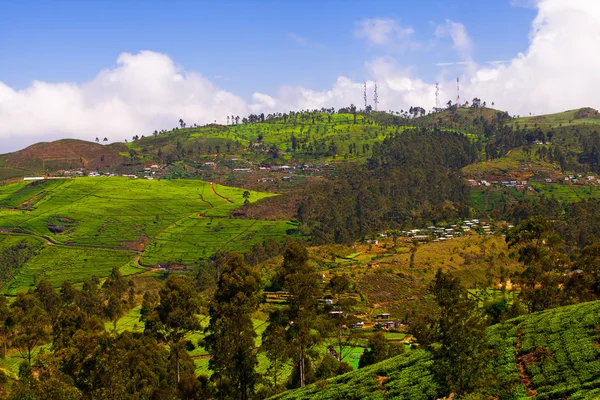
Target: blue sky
<point x="244" y="46"/>
<point x="112" y="68"/>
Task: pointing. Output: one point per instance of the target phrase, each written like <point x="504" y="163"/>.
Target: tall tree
<point x="231" y="334"/>
<point x="539" y="248"/>
<point x="299" y="277"/>
<point x="274" y="343"/>
<point x="455" y="335"/>
<point x="379" y="349"/>
<point x="32" y="325"/>
<point x="175" y="315"/>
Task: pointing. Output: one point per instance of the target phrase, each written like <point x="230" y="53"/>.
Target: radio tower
<point x="437" y="97"/>
<point x="375" y="97"/>
<point x="365" y="95"/>
<point x="457" y="92"/>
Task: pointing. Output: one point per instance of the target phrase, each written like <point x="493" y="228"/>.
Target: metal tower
<point x="365" y="95"/>
<point x="437" y="97"/>
<point x="457" y="92"/>
<point x="375" y="97"/>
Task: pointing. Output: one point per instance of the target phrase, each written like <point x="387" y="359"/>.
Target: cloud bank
<point x="148" y="91"/>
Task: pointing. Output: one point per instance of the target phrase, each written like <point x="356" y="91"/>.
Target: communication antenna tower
<point x="375" y="97"/>
<point x="365" y="95"/>
<point x="457" y="92"/>
<point x="437" y="97"/>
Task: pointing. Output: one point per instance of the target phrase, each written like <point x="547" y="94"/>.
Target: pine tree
<point x="231" y="335"/>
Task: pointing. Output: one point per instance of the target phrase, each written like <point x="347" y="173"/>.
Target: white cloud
<point x="448" y="64"/>
<point x="147" y="91"/>
<point x="144" y="92"/>
<point x="557" y="72"/>
<point x="302" y="41"/>
<point x="524" y="3"/>
<point x="460" y="39"/>
<point x="381" y="31"/>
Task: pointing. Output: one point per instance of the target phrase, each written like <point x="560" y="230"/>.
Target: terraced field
<point x="180" y="241"/>
<point x="90" y="225"/>
<point x="553" y="354"/>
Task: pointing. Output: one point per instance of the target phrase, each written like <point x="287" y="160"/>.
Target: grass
<point x="566" y="118"/>
<point x="192" y="239"/>
<point x="567" y="193"/>
<point x="558" y="350"/>
<point x="91" y="225"/>
<point x="61" y="263"/>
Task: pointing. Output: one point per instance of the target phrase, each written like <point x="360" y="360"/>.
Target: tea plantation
<point x="553" y="354"/>
<point x="87" y="226"/>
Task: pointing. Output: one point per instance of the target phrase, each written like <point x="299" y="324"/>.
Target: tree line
<point x="411" y="179"/>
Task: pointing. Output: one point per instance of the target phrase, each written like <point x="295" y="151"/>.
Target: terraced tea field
<point x="90" y="225"/>
<point x="180" y="241"/>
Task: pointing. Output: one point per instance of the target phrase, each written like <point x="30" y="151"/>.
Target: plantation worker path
<point x="218" y="195"/>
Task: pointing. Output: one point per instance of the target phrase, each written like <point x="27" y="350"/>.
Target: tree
<point x="49" y="298"/>
<point x="379" y="349"/>
<point x="31" y="322"/>
<point x="336" y="327"/>
<point x="299" y="277"/>
<point x="246" y="196"/>
<point x="231" y="338"/>
<point x="539" y="251"/>
<point x="274" y="343"/>
<point x="456" y="337"/>
<point x="589" y="263"/>
<point x="105" y="139"/>
<point x="5" y="325"/>
<point x="174" y="316"/>
<point x="97" y="140"/>
<point x="114" y="289"/>
<point x="181" y="123"/>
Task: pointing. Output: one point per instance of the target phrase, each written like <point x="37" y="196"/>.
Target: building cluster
<point x="439" y="233"/>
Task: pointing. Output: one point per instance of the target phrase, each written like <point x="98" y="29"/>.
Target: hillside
<point x="49" y="157"/>
<point x="87" y="226"/>
<point x="548" y="355"/>
<point x="580" y="116"/>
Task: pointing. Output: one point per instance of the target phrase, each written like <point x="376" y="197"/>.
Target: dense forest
<point x="412" y="178"/>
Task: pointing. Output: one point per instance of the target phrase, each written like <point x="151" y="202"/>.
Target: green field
<point x="566" y="118"/>
<point x="194" y="237"/>
<point x="90" y="225"/>
<point x="558" y="350"/>
<point x="61" y="263"/>
<point x="567" y="192"/>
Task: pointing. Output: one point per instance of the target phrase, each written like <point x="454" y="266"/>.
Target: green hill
<point x="549" y="355"/>
<point x="87" y="226"/>
<point x="47" y="157"/>
<point x="580" y="116"/>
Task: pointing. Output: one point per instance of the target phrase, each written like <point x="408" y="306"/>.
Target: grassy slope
<point x="383" y="272"/>
<point x="566" y="118"/>
<point x="567" y="336"/>
<point x="107" y="222"/>
<point x="341" y="130"/>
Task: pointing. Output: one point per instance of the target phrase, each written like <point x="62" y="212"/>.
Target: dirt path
<point x="525" y="380"/>
<point x="206" y="201"/>
<point x="218" y="195"/>
<point x="49" y="242"/>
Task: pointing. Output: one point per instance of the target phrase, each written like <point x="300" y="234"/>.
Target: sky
<point x="117" y="69"/>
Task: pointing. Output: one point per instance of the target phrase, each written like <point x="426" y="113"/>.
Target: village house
<point x="382" y="316"/>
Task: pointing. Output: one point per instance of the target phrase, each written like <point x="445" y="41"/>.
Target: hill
<point x="87" y="226"/>
<point x="549" y="355"/>
<point x="580" y="116"/>
<point x="49" y="157"/>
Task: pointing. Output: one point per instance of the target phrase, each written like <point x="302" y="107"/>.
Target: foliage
<point x="231" y="335"/>
<point x="456" y="337"/>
